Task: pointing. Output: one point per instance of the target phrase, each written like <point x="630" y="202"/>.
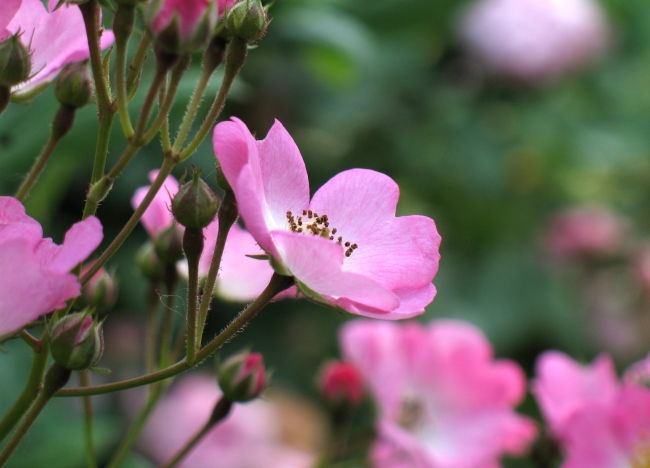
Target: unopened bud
<point x="150" y="265"/>
<point x="242" y="377"/>
<point x="169" y="245"/>
<point x="341" y="382"/>
<point x="15" y="61"/>
<point x="100" y="292"/>
<point x="247" y="20"/>
<point x="180" y="26"/>
<point x="73" y="86"/>
<point x="195" y="205"/>
<point x="76" y="341"/>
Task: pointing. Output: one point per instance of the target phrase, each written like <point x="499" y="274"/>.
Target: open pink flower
<point x="444" y="402"/>
<point x="158" y="216"/>
<point x="248" y="437"/>
<point x="55" y="38"/>
<point x="346" y="246"/>
<point x="35" y="274"/>
<point x="598" y="422"/>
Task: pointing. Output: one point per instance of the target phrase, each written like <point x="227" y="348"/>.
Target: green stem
<point x="193" y="107"/>
<point x="101" y="150"/>
<point x="166" y="169"/>
<point x="88" y="417"/>
<point x="29" y="393"/>
<point x="221" y="410"/>
<point x="277" y="284"/>
<point x="152" y="327"/>
<point x="122" y="27"/>
<point x="91" y="13"/>
<point x="135" y="69"/>
<point x="55" y="378"/>
<point x="134" y="432"/>
<point x="227" y="216"/>
<point x="193" y="247"/>
<point x="61" y="125"/>
<point x="165" y="139"/>
<point x="162" y="67"/>
<point x="33" y="343"/>
<point x="235" y="58"/>
<point x="5" y="97"/>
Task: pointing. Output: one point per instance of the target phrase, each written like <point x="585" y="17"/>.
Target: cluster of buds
<point x="77" y="341"/>
<point x="242" y="377"/>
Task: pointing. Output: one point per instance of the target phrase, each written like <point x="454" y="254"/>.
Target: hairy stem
<point x="88" y="418"/>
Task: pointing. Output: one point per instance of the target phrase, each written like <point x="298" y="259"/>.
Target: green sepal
<point x="259" y="257"/>
<point x="26" y="97"/>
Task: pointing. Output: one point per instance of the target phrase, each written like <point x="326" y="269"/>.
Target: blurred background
<point x="521" y="128"/>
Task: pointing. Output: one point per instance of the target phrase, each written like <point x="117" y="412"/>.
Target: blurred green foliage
<point x="384" y="85"/>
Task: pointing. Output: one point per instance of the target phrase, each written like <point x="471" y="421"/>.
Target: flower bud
<point x="100" y="292"/>
<point x="242" y="377"/>
<point x="150" y="265"/>
<point x="169" y="245"/>
<point x="180" y="26"/>
<point x="195" y="205"/>
<point x="73" y="86"/>
<point x="76" y="341"/>
<point x="15" y="61"/>
<point x="247" y="20"/>
<point x="341" y="382"/>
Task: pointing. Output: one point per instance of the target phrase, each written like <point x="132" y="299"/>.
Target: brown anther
<point x="355" y="246"/>
<point x="334" y="231"/>
<point x="348" y="253"/>
<point x="309" y="213"/>
<point x="331" y="237"/>
<point x="299" y="229"/>
<point x="347" y="244"/>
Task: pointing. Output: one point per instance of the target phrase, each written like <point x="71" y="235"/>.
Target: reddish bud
<point x="100" y="292"/>
<point x="341" y="381"/>
<point x="76" y="341"/>
<point x="242" y="377"/>
<point x="180" y="26"/>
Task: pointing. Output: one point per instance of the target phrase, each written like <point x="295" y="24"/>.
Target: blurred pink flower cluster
<point x="534" y="40"/>
<point x="55" y="38"/>
<point x="598" y="421"/>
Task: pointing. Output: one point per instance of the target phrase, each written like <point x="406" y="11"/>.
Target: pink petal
<point x="31" y="16"/>
<point x="80" y="241"/>
<point x="28" y="291"/>
<point x="189" y="13"/>
<point x="157" y="217"/>
<point x="399" y="253"/>
<point x="316" y="262"/>
<point x="14" y="223"/>
<point x="8" y="9"/>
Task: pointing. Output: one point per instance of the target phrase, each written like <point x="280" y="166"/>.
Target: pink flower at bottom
<point x="345" y="247"/>
<point x="598" y="422"/>
<point x="248" y="438"/>
<point x="35" y="274"/>
<point x="55" y="38"/>
<point x="444" y="402"/>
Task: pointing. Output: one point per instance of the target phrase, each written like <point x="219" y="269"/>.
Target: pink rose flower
<point x="598" y="422"/>
<point x="585" y="231"/>
<point x="444" y="402"/>
<point x="55" y="38"/>
<point x="534" y="40"/>
<point x="241" y="278"/>
<point x="35" y="274"/>
<point x="345" y="247"/>
<point x="248" y="437"/>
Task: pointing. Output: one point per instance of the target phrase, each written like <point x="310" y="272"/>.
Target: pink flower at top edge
<point x="55" y="38"/>
<point x="444" y="401"/>
<point x="598" y="422"/>
<point x="35" y="274"/>
<point x="352" y="252"/>
<point x="248" y="437"/>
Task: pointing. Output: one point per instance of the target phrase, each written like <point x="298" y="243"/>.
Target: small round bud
<point x="15" y="61"/>
<point x="195" y="205"/>
<point x="341" y="382"/>
<point x="169" y="245"/>
<point x="242" y="377"/>
<point x="180" y="26"/>
<point x="150" y="265"/>
<point x="73" y="86"/>
<point x="247" y="20"/>
<point x="76" y="341"/>
<point x="100" y="292"/>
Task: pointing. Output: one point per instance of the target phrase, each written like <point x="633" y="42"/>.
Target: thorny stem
<point x="193" y="247"/>
<point x="122" y="27"/>
<point x="277" y="284"/>
<point x="101" y="150"/>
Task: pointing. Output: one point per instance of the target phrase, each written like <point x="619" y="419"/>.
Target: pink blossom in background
<point x="585" y="231"/>
<point x="224" y="5"/>
<point x="444" y="401"/>
<point x="55" y="38"/>
<point x="341" y="381"/>
<point x="35" y="274"/>
<point x="248" y="438"/>
<point x="346" y="246"/>
<point x="598" y="422"/>
<point x="534" y="40"/>
<point x="241" y="278"/>
<point x="158" y="215"/>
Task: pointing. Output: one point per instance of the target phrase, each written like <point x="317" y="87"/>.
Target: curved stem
<point x="158" y="79"/>
<point x="165" y="170"/>
<point x="101" y="150"/>
<point x="121" y="42"/>
<point x="192" y="107"/>
<point x="88" y="417"/>
<point x="29" y="393"/>
<point x="135" y="69"/>
<point x="165" y="140"/>
<point x="235" y="58"/>
<point x="277" y="284"/>
<point x="56" y="377"/>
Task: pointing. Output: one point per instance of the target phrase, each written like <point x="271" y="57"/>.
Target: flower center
<point x="318" y="225"/>
<point x="641" y="452"/>
<point x="412" y="414"/>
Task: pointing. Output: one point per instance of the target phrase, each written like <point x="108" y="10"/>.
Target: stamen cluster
<point x="311" y="223"/>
